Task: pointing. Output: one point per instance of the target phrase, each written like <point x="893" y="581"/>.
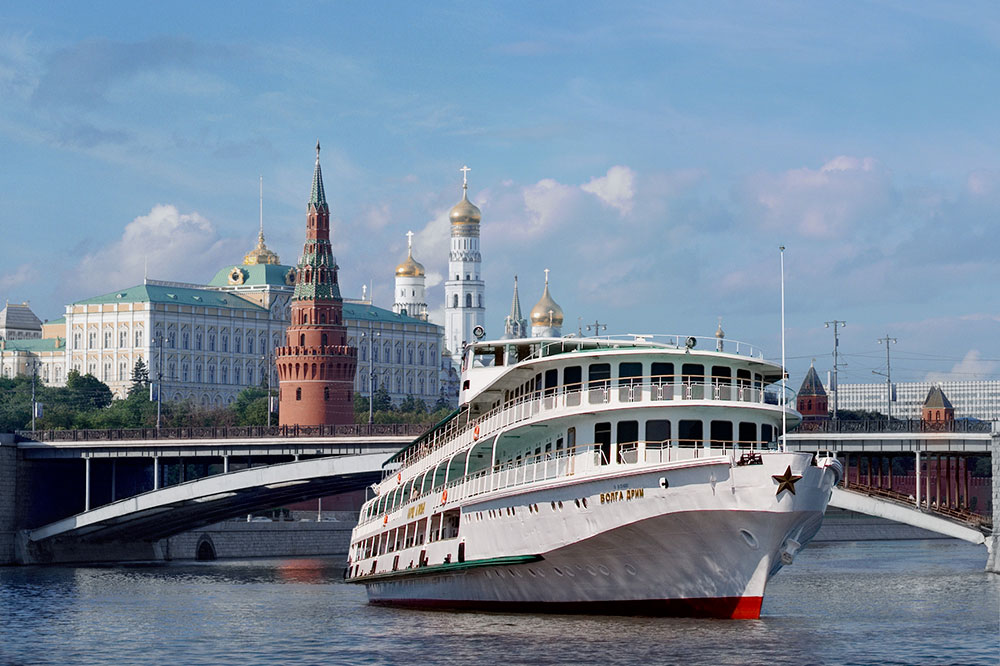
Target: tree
<point x="382" y="401"/>
<point x="86" y="392"/>
<point x="140" y="378"/>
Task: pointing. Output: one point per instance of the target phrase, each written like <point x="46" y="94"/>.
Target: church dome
<point x="465" y="212"/>
<point x="546" y="312"/>
<point x="410" y="268"/>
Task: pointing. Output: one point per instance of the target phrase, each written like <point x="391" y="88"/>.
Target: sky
<point x="654" y="156"/>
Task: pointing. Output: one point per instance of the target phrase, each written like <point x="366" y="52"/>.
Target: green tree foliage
<point x="140" y="378"/>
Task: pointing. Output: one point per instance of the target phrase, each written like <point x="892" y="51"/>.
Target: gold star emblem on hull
<point x="786" y="481"/>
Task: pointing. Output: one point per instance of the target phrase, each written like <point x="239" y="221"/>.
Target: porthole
<point x="556" y="569"/>
<point x="629" y="569"/>
<point x="569" y="572"/>
<point x="560" y="505"/>
<point x="604" y="570"/>
<point x="577" y="503"/>
<point x="531" y="572"/>
<point x="750" y="539"/>
<point x="584" y="502"/>
<point x="591" y="570"/>
<point x="553" y="506"/>
<point x="499" y="573"/>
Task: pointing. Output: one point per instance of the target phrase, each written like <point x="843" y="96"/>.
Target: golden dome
<point x="260" y="254"/>
<point x="546" y="311"/>
<point x="465" y="212"/>
<point x="410" y="268"/>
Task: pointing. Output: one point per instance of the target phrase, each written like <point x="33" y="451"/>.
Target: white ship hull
<point x="704" y="546"/>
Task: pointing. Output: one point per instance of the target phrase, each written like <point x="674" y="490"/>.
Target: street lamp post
<point x="159" y="380"/>
<point x="836" y="363"/>
<point x="34" y="405"/>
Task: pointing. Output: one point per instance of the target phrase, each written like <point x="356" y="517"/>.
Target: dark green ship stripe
<point x="449" y="567"/>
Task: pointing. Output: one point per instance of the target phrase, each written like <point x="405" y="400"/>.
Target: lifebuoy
<point x="475" y="432"/>
<point x="399" y="478"/>
<point x="444" y="497"/>
<point x="385" y="521"/>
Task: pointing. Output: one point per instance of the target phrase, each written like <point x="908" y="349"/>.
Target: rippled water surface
<point x="910" y="602"/>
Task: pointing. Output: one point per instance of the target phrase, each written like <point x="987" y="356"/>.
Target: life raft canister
<point x="475" y="432"/>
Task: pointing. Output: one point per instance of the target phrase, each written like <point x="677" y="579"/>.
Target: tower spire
<point x="318" y="197"/>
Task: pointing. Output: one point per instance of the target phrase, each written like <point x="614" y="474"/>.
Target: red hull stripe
<point x="734" y="608"/>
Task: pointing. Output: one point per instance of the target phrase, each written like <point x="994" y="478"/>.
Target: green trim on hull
<point x="448" y="568"/>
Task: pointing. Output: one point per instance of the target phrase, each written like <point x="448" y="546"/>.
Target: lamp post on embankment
<point x="993" y="541"/>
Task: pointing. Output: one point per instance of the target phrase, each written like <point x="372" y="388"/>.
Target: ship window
<point x="748" y="434"/>
<point x="435" y="528"/>
<point x="657" y="431"/>
<point x="721" y="373"/>
<point x="450" y="523"/>
<point x="628" y="438"/>
<point x="602" y="437"/>
<point x="559" y="445"/>
<point x="421" y="530"/>
<point x="662" y="373"/>
<point x="692" y="372"/>
<point x="722" y="433"/>
<point x="599" y="374"/>
<point x="766" y="433"/>
<point x="689" y="433"/>
<point x="551" y="381"/>
<point x="629" y="373"/>
<point x="570" y="438"/>
<point x="743" y="378"/>
<point x="572" y="377"/>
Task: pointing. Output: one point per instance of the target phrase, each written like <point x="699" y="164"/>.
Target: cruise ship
<point x="640" y="475"/>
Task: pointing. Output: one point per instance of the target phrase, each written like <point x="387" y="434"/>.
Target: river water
<point x="902" y="602"/>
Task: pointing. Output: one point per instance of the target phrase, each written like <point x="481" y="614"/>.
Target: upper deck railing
<point x="225" y="432"/>
<point x="840" y="426"/>
<point x="464" y="429"/>
<point x="667" y="340"/>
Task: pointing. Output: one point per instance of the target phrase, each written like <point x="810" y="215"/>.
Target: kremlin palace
<point x="207" y="342"/>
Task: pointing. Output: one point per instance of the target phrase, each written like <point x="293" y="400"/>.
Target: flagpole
<point x="784" y="390"/>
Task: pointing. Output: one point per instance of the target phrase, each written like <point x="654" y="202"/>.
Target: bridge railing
<point x="225" y="432"/>
<point x="868" y="426"/>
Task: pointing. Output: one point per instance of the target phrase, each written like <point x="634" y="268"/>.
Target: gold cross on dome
<point x="465" y="175"/>
<point x="409" y="239"/>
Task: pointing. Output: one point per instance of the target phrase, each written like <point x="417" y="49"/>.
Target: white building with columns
<point x="465" y="306"/>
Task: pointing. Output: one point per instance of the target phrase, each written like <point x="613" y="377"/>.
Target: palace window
<point x="236" y="375"/>
<point x="468" y="300"/>
<point x="237" y="344"/>
<point x="76" y="340"/>
<point x="211" y="342"/>
<point x="249" y="343"/>
<point x="91" y="340"/>
<point x="224" y="343"/>
<point x="185" y="339"/>
<point x="138" y="338"/>
<point x="123" y="338"/>
<point x="197" y="340"/>
<point x="107" y="339"/>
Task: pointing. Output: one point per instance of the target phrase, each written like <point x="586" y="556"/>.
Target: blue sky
<point x="653" y="155"/>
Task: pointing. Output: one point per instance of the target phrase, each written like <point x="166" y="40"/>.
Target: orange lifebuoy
<point x="444" y="497"/>
<point x="385" y="521"/>
<point x="475" y="433"/>
<point x="399" y="478"/>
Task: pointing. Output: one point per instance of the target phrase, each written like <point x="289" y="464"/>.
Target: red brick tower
<point x="812" y="401"/>
<point x="937" y="408"/>
<point x="316" y="367"/>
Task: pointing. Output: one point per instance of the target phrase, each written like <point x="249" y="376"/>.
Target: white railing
<point x="581" y="460"/>
<point x="650" y="389"/>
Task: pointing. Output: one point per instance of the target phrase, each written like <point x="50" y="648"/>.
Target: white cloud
<point x="842" y="195"/>
<point x="972" y="366"/>
<point x="169" y="244"/>
<point x="617" y="188"/>
<point x="21" y="275"/>
<point x="548" y="204"/>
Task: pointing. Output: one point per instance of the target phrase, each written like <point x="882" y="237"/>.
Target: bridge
<point x="178" y="480"/>
<point x="940" y="493"/>
<point x="80" y="489"/>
